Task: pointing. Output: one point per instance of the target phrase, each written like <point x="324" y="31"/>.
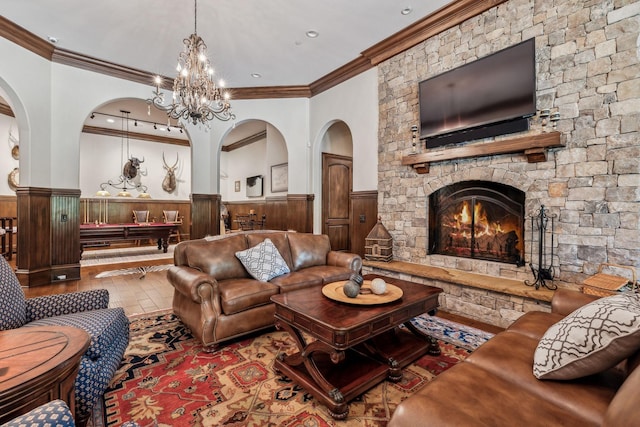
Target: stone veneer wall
<point x="588" y="69"/>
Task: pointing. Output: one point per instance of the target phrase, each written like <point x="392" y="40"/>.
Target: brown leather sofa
<point x="217" y="298"/>
<point x="495" y="385"/>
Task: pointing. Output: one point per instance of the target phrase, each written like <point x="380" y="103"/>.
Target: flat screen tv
<point x="491" y="96"/>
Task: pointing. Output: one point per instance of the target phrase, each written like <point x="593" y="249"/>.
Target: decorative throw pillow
<point x="263" y="261"/>
<point x="593" y="338"/>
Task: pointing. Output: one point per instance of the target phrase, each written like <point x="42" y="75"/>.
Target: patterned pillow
<point x="263" y="261"/>
<point x="593" y="338"/>
<point x="13" y="313"/>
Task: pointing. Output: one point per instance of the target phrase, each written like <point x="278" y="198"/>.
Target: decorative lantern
<point x="378" y="244"/>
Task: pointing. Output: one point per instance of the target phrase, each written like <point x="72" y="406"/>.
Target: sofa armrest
<point x="565" y="301"/>
<point x="188" y="281"/>
<point x="56" y="305"/>
<point x="345" y="259"/>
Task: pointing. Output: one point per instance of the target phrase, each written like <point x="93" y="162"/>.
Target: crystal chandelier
<point x="195" y="95"/>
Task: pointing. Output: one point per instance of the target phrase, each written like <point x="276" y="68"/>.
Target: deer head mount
<point x="169" y="181"/>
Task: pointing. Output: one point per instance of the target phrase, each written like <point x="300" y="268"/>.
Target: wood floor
<point x="139" y="294"/>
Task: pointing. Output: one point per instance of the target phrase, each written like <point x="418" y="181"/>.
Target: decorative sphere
<point x="351" y="289"/>
<point x="378" y="286"/>
<point x="357" y="279"/>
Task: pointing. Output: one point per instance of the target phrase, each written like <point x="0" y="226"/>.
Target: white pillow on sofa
<point x="263" y="261"/>
<point x="593" y="338"/>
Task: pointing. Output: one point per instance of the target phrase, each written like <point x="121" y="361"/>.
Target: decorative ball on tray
<point x="351" y="288"/>
<point x="378" y="286"/>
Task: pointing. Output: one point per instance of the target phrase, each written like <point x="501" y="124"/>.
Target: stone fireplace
<point x="590" y="182"/>
<point x="478" y="220"/>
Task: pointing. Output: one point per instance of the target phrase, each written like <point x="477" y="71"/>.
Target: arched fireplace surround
<point x="478" y="220"/>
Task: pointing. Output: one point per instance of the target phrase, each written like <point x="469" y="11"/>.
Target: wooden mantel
<point x="533" y="146"/>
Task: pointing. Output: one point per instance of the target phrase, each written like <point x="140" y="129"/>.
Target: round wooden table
<point x="38" y="365"/>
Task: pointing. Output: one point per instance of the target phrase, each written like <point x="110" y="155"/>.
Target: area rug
<point x="166" y="379"/>
<point x="142" y="270"/>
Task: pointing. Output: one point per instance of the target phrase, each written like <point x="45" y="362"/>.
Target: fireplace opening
<point x="478" y="219"/>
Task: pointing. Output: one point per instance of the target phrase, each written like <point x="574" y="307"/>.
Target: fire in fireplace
<point x="478" y="219"/>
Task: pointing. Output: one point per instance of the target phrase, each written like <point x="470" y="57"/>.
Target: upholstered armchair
<point x="55" y="414"/>
<point x="88" y="310"/>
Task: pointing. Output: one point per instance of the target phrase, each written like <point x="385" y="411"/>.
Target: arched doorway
<point x="132" y="158"/>
<point x="253" y="176"/>
<point x="337" y="185"/>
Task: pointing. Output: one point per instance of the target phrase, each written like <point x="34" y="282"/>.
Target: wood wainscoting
<point x="290" y="212"/>
<point x="295" y="212"/>
<point x="48" y="248"/>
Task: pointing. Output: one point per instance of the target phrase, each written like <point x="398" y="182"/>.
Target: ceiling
<point x="243" y="37"/>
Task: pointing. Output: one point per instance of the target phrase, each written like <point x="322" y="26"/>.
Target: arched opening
<point x="9" y="165"/>
<point x="133" y="159"/>
<point x="336" y="148"/>
<point x="254" y="176"/>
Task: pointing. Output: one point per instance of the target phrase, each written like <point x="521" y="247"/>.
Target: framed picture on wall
<point x="279" y="178"/>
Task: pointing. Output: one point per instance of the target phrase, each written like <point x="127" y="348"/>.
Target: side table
<point x="38" y="365"/>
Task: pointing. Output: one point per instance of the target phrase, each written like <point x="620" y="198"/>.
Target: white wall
<point x="355" y="102"/>
<point x="51" y="102"/>
<point x="250" y="160"/>
<point x="101" y="160"/>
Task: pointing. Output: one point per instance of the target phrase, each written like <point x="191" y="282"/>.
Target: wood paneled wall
<point x="9" y="206"/>
<point x="33" y="260"/>
<point x="364" y="214"/>
<point x="291" y="212"/>
<point x="205" y="215"/>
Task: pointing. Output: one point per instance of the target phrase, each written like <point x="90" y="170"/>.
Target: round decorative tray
<point x="366" y="297"/>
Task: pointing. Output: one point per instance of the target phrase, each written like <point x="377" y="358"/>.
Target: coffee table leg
<point x="333" y="397"/>
<point x="394" y="373"/>
<point x="434" y="348"/>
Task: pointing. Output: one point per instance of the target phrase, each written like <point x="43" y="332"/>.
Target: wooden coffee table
<point x="345" y="349"/>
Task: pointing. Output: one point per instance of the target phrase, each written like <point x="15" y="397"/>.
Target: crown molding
<point x="73" y="59"/>
<point x="6" y="110"/>
<point x="245" y="141"/>
<point x="342" y="74"/>
<point x="134" y="135"/>
<point x="26" y="39"/>
<point x="266" y="92"/>
<point x="441" y="20"/>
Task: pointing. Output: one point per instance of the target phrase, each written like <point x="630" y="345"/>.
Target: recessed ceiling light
<point x="407" y="10"/>
<point x="110" y="121"/>
<point x="52" y="39"/>
<point x="312" y="34"/>
<point x="256" y="75"/>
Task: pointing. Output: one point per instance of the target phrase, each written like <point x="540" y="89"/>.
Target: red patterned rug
<point x="167" y="380"/>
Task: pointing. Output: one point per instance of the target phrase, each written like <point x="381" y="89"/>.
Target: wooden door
<point x="337" y="182"/>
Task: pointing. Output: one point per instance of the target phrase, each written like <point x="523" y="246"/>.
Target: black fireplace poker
<point x="544" y="271"/>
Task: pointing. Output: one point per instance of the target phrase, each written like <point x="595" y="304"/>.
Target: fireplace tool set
<point x="544" y="270"/>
